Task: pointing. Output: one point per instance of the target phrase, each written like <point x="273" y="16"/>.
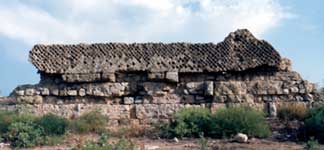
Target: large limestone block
<point x="195" y="87"/>
<point x="209" y="88"/>
<point x="30" y="99"/>
<point x="81" y="77"/>
<point x="146" y="111"/>
<point x="108" y="76"/>
<point x="285" y="64"/>
<point x="229" y="88"/>
<point x="156" y="75"/>
<point x="118" y="111"/>
<point x="157" y="88"/>
<point x="172" y="76"/>
<point x="166" y="99"/>
<point x="30" y="92"/>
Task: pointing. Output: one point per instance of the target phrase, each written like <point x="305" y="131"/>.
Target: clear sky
<point x="294" y="27"/>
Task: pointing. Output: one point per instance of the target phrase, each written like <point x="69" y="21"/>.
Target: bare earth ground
<point x="185" y="144"/>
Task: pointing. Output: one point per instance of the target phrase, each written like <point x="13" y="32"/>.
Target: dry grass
<point x="130" y="131"/>
<point x="292" y="111"/>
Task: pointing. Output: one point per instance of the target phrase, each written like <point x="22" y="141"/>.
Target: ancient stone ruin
<point x="142" y="83"/>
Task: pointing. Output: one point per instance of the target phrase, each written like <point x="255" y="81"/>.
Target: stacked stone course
<point x="145" y="95"/>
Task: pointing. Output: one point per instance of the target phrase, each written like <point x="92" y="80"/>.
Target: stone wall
<point x="145" y="98"/>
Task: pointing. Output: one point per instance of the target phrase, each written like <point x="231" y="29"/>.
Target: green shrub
<point x="6" y="118"/>
<point x="102" y="144"/>
<point x="27" y="130"/>
<point x="203" y="143"/>
<point x="314" y="124"/>
<point x="24" y="134"/>
<point x="233" y="120"/>
<point x="92" y="121"/>
<point x="52" y="140"/>
<point x="25" y="118"/>
<point x="292" y="112"/>
<point x="189" y="122"/>
<point x="9" y="117"/>
<point x="311" y="144"/>
<point x="52" y="124"/>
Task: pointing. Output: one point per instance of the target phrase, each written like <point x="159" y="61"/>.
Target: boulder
<point x="241" y="138"/>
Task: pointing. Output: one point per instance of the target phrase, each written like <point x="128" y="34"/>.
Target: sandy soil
<point x="185" y="144"/>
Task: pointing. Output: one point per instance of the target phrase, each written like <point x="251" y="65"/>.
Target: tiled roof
<point x="239" y="51"/>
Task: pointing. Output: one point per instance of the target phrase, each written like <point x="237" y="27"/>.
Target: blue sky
<point x="294" y="27"/>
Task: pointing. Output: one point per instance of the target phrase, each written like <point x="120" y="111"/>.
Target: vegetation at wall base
<point x="314" y="125"/>
<point x="191" y="122"/>
<point x="25" y="134"/>
<point x="6" y="118"/>
<point x="230" y="121"/>
<point x="52" y="124"/>
<point x="92" y="121"/>
<point x="102" y="144"/>
<point x="26" y="130"/>
<point x="311" y="144"/>
<point x="188" y="122"/>
<point x="290" y="112"/>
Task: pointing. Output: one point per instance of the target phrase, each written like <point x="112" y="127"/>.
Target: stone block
<point x="285" y="65"/>
<point x="166" y="99"/>
<point x="155" y="88"/>
<point x="308" y="97"/>
<point x="272" y="109"/>
<point x="160" y="93"/>
<point x="118" y="111"/>
<point x="20" y="92"/>
<point x="294" y="89"/>
<point x="81" y="77"/>
<point x="55" y="92"/>
<point x="188" y="99"/>
<point x="156" y="75"/>
<point x="195" y="87"/>
<point x="199" y="98"/>
<point x="172" y="76"/>
<point x="299" y="98"/>
<point x="63" y="92"/>
<point x="139" y="100"/>
<point x="229" y="88"/>
<point x="146" y="111"/>
<point x="285" y="91"/>
<point x="82" y="92"/>
<point x="72" y="92"/>
<point x="45" y="91"/>
<point x="30" y="99"/>
<point x="128" y="100"/>
<point x="108" y="76"/>
<point x="209" y="89"/>
<point x="30" y="92"/>
<point x="98" y="91"/>
<point x="219" y="99"/>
